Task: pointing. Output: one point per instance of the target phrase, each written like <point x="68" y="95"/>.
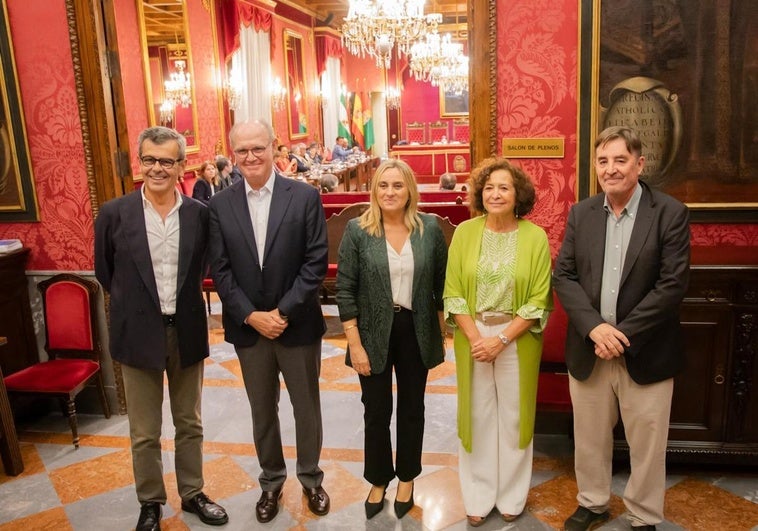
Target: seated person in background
<point x="207" y="183"/>
<point x="448" y="181"/>
<point x="283" y="163"/>
<point x="340" y="151"/>
<point x="224" y="167"/>
<point x="314" y="154"/>
<point x="329" y="182"/>
<point x="298" y="155"/>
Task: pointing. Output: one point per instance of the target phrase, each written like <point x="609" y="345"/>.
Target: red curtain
<point x="326" y="46"/>
<point x="230" y="14"/>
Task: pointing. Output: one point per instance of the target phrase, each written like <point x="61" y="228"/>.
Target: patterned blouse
<point x="495" y="276"/>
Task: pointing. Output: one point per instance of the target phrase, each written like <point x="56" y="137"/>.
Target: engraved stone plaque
<point x="646" y="106"/>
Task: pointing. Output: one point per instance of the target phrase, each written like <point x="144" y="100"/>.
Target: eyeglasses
<point x="257" y="151"/>
<point x="166" y="164"/>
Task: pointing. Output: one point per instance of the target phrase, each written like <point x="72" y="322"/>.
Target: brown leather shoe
<point x="209" y="512"/>
<point x="318" y="500"/>
<point x="268" y="505"/>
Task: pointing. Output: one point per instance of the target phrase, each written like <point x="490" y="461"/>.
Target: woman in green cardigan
<point x="497" y="294"/>
<point x="390" y="276"/>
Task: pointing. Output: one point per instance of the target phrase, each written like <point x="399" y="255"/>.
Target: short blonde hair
<point x="371" y="219"/>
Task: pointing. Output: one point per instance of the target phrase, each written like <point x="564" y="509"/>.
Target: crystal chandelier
<point x="166" y="113"/>
<point x="453" y="79"/>
<point x="178" y="87"/>
<point x="434" y="55"/>
<point x="375" y="27"/>
<point x="392" y="98"/>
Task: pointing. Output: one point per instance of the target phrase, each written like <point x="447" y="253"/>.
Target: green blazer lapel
<point x="417" y="245"/>
<point x="377" y="246"/>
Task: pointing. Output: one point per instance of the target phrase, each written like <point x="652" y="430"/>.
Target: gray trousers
<point x="144" y="403"/>
<point x="300" y="366"/>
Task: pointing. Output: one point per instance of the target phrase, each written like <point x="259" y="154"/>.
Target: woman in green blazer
<point x="497" y="293"/>
<point x="390" y="277"/>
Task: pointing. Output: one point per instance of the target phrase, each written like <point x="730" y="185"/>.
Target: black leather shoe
<point x="209" y="513"/>
<point x="318" y="500"/>
<point x="374" y="508"/>
<point x="268" y="505"/>
<point x="149" y="517"/>
<point x="402" y="507"/>
<point x="583" y="520"/>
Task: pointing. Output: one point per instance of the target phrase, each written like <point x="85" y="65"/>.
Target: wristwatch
<point x="503" y="339"/>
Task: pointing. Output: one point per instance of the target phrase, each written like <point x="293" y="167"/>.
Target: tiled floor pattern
<point x="92" y="488"/>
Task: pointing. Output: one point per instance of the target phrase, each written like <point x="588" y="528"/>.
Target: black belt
<point x="169" y="320"/>
<point x="399" y="308"/>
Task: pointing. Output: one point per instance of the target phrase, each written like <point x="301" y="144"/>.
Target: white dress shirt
<point x="163" y="241"/>
<point x="259" y="205"/>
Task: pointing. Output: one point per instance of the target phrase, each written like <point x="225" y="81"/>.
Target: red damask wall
<point x="62" y="240"/>
<point x="537" y="97"/>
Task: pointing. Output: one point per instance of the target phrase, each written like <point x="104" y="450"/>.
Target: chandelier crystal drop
<point x="434" y="55"/>
<point x="454" y="79"/>
<point x="178" y="87"/>
<point x="376" y="27"/>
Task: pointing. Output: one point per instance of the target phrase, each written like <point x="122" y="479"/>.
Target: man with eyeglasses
<point x="268" y="252"/>
<point x="150" y="249"/>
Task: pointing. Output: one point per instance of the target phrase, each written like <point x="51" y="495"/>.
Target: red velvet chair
<point x="438" y="130"/>
<point x="553" y="384"/>
<point x="415" y="132"/>
<point x="72" y="344"/>
<point x="461" y="131"/>
<point x="208" y="287"/>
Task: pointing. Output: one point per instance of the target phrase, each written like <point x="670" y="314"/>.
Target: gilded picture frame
<point x="454" y="105"/>
<point x="684" y="77"/>
<point x="18" y="200"/>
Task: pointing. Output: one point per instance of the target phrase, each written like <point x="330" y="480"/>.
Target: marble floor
<point x="92" y="488"/>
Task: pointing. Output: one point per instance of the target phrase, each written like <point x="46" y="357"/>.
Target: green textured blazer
<point x="364" y="290"/>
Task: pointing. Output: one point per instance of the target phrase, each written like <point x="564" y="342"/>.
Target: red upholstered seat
<point x="72" y="344"/>
<point x="54" y="376"/>
<point x="553" y="385"/>
<point x="208" y="287"/>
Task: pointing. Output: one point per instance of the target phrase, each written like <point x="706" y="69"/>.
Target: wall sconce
<point x="167" y="113"/>
<point x="321" y="95"/>
<point x="233" y="88"/>
<point x="278" y="94"/>
<point x="392" y="98"/>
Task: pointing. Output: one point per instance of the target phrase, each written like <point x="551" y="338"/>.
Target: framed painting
<point x="683" y="73"/>
<point x="18" y="201"/>
<point x="453" y="104"/>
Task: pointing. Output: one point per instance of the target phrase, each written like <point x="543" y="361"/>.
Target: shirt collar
<point x="146" y="202"/>
<point x="268" y="186"/>
<point x="631" y="207"/>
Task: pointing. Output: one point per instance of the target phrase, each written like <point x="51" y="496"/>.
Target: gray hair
<point x="264" y="123"/>
<point x="160" y="135"/>
<point x="448" y="181"/>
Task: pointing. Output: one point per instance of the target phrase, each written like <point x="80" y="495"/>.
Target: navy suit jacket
<point x="293" y="267"/>
<point x="124" y="268"/>
<point x="653" y="283"/>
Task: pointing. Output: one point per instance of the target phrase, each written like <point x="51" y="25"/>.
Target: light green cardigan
<point x="532" y="286"/>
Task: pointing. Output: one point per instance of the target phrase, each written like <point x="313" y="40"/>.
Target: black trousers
<point x="410" y="374"/>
